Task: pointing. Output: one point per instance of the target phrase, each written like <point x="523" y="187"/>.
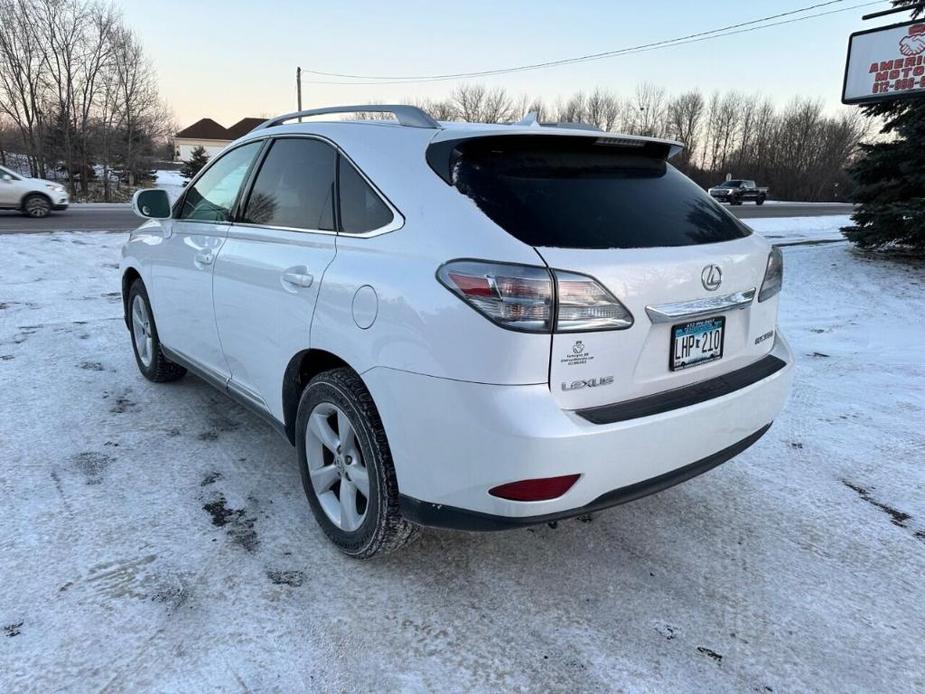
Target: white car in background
<point x="465" y="326"/>
<point x="34" y="197"/>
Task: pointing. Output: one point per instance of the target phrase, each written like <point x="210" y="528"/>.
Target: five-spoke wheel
<point x="346" y="466"/>
<point x="335" y="465"/>
<point x="141" y="330"/>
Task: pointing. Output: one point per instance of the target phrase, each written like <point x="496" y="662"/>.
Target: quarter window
<point x="361" y="208"/>
<point x="212" y="197"/>
<point x="295" y="186"/>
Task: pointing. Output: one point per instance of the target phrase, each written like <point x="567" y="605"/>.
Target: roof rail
<point x="409" y="116"/>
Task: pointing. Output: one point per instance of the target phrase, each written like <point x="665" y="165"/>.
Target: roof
<point x="243" y="126"/>
<point x="208" y="129"/>
<point x="205" y="129"/>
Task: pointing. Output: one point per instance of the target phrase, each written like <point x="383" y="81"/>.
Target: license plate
<point x="697" y="342"/>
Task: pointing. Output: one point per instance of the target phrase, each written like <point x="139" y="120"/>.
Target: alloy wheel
<point x="335" y="466"/>
<point x="141" y="331"/>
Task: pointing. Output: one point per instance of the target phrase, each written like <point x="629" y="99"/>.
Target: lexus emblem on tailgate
<point x="712" y="277"/>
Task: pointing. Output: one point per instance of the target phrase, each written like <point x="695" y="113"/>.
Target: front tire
<point x="36" y="206"/>
<point x="145" y="343"/>
<point x="346" y="466"/>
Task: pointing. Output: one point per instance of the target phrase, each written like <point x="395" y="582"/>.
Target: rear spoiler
<point x="443" y="154"/>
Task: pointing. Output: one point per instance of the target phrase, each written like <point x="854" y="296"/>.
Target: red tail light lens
<point x="523" y="297"/>
<point x="541" y="489"/>
<point x="519" y="297"/>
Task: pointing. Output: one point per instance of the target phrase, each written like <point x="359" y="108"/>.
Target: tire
<point x="735" y="201"/>
<point x="344" y="465"/>
<point x="36" y="206"/>
<point x="759" y="201"/>
<point x="145" y="344"/>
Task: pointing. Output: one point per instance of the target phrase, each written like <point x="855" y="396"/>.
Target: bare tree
<point x="602" y="109"/>
<point x="685" y="113"/>
<point x="476" y="104"/>
<point x="22" y="90"/>
<point x="649" y="109"/>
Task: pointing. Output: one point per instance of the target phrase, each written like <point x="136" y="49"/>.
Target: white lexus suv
<point x="464" y="326"/>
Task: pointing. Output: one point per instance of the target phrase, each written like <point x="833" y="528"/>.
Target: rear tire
<point x="145" y="343"/>
<point x="346" y="467"/>
<point x="36" y="206"/>
<point x="759" y="201"/>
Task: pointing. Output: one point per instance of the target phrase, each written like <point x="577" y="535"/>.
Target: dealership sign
<point x="885" y="63"/>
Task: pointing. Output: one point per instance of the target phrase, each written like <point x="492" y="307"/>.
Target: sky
<point x="230" y="59"/>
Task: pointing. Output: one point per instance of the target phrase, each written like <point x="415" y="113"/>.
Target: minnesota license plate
<point x="697" y="342"/>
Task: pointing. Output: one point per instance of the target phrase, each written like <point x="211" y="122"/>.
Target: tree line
<point x="78" y="97"/>
<point x="797" y="150"/>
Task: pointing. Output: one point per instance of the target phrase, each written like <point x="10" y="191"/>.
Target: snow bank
<point x="788" y="230"/>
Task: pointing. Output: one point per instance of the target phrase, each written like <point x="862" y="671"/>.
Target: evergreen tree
<point x="197" y="160"/>
<point x="890" y="177"/>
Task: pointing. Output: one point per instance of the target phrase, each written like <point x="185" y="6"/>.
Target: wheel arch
<point x="302" y="368"/>
<point x="31" y="193"/>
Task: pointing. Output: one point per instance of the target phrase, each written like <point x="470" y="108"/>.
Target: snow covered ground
<point x="794" y="230"/>
<point x="155" y="537"/>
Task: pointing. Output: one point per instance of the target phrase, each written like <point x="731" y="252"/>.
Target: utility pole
<point x="298" y="89"/>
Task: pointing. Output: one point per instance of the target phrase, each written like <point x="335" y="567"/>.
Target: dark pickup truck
<point x="738" y="191"/>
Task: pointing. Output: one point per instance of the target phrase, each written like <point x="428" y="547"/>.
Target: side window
<point x="361" y="208"/>
<point x="295" y="186"/>
<point x="213" y="195"/>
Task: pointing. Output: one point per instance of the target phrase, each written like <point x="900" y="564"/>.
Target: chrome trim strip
<point x="698" y="308"/>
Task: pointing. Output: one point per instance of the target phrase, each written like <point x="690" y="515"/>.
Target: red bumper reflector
<point x="535" y="490"/>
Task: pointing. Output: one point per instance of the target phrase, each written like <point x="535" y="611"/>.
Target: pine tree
<point x="890" y="177"/>
<point x="197" y="160"/>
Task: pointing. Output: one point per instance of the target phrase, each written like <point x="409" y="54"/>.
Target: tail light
<point x="773" y="275"/>
<point x="534" y="299"/>
<point x="518" y="297"/>
<point x="583" y="304"/>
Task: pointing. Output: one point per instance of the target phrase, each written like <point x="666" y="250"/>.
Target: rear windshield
<point x="578" y="193"/>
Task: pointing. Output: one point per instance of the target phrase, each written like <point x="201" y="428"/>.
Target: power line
<point x="730" y="30"/>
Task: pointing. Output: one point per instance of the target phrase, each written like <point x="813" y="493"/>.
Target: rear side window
<point x="212" y="197"/>
<point x="361" y="208"/>
<point x="569" y="192"/>
<point x="295" y="186"/>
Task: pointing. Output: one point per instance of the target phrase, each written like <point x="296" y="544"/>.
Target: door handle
<point x="205" y="256"/>
<point x="298" y="277"/>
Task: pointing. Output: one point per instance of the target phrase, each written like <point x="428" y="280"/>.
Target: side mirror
<point x="151" y="203"/>
<point x="7" y="178"/>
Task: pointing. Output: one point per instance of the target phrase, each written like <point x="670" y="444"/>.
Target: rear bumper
<point x="440" y="516"/>
<point x="452" y="441"/>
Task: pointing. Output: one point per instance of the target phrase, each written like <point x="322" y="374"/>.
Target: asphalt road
<point x="93" y="217"/>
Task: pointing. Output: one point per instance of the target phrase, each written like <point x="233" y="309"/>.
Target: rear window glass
<point x="570" y="193"/>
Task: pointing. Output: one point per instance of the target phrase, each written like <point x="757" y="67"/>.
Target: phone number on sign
<point x="900" y="85"/>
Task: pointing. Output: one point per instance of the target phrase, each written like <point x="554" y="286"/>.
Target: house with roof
<point x="210" y="135"/>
